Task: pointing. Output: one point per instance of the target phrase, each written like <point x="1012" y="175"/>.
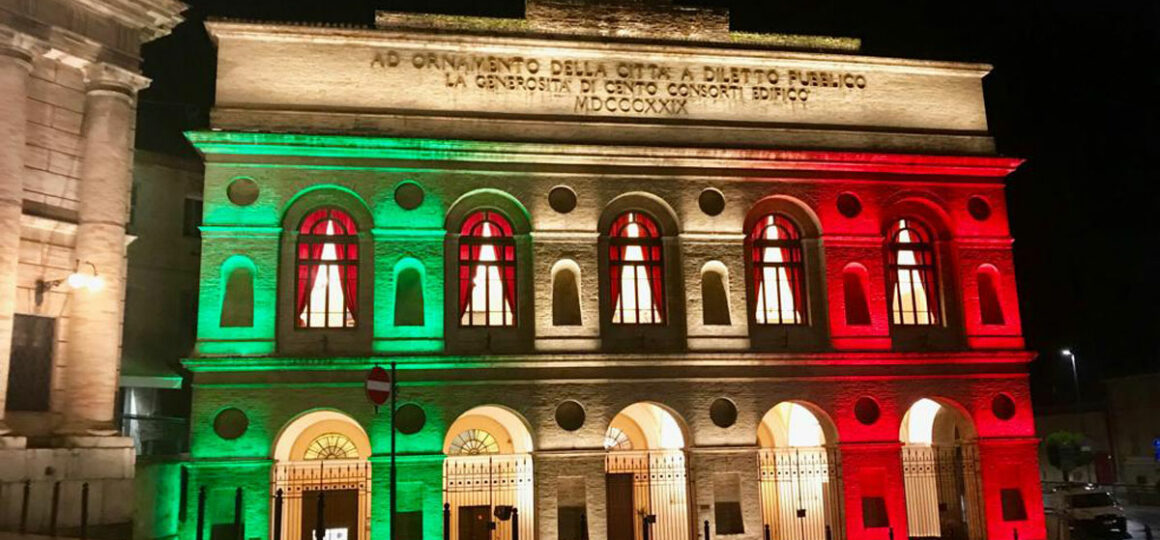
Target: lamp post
<point x="1074" y="375"/>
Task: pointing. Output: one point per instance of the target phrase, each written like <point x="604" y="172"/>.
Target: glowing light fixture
<point x="81" y="278"/>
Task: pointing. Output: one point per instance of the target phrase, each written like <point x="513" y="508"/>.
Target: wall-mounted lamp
<point x="79" y="279"/>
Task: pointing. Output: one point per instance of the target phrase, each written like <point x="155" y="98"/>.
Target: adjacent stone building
<point x="637" y="272"/>
<point x="69" y="76"/>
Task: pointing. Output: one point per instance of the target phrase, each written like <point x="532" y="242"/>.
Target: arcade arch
<point x="487" y="473"/>
<point x="646" y="474"/>
<point x="322" y="477"/>
<point x="940" y="466"/>
<point x="801" y="492"/>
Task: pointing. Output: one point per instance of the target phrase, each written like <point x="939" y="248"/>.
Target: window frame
<point x="756" y="244"/>
<point x="507" y="265"/>
<point x="925" y="268"/>
<point x="654" y="263"/>
<point x="349" y="265"/>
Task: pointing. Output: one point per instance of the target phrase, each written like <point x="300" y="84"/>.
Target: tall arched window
<point x="778" y="278"/>
<point x="912" y="274"/>
<point x="487" y="271"/>
<point x="327" y="270"/>
<point x="636" y="265"/>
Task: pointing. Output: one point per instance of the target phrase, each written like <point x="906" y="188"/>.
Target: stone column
<point x="94" y="326"/>
<point x="15" y="65"/>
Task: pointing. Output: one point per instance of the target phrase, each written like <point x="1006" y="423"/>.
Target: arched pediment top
<point x="641" y="201"/>
<point x="797" y="211"/>
<point x="328" y="196"/>
<point x="488" y="199"/>
<point x="923" y="207"/>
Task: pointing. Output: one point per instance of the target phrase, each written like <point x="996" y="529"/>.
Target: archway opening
<point x="801" y="492"/>
<point x="322" y="478"/>
<point x="487" y="476"/>
<point x="646" y="475"/>
<point x="940" y="465"/>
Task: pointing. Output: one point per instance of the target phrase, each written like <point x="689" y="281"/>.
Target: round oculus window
<point x="409" y="195"/>
<point x="711" y="201"/>
<point x="410" y="419"/>
<point x="866" y="410"/>
<point x="979" y="208"/>
<point x="1003" y="407"/>
<point x="230" y="423"/>
<point x="562" y="199"/>
<point x="723" y="412"/>
<point x="849" y="205"/>
<point x="242" y="191"/>
<point x="570" y="415"/>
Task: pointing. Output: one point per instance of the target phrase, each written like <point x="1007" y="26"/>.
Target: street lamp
<point x="80" y="278"/>
<point x="1074" y="375"/>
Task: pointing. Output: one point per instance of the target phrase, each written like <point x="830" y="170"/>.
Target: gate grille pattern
<point x="322" y="475"/>
<point x="943" y="491"/>
<point x="660" y="487"/>
<point x="490" y="480"/>
<point x="797" y="479"/>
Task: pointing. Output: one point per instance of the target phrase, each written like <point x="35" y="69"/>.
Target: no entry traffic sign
<point x="378" y="386"/>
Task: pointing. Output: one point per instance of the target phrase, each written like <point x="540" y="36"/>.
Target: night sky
<point x="1074" y="92"/>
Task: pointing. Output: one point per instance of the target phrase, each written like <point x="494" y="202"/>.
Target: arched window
<point x="326" y="276"/>
<point x="635" y="262"/>
<point x="474" y="442"/>
<point x="911" y="274"/>
<point x="778" y="277"/>
<point x="331" y="446"/>
<point x="487" y="271"/>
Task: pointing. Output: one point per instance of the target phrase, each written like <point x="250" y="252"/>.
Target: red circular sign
<point x="378" y="385"/>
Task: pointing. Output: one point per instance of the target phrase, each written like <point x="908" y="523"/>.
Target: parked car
<point x="1090" y="512"/>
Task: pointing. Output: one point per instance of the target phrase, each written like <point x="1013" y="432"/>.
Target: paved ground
<point x="1138" y="516"/>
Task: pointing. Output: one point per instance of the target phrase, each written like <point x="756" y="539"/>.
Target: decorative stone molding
<point x="152" y="18"/>
<point x="106" y="77"/>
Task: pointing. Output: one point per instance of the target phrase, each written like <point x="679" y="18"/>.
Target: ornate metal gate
<point x="801" y="493"/>
<point x="943" y="491"/>
<point x="490" y="480"/>
<point x="294" y="479"/>
<point x="660" y="488"/>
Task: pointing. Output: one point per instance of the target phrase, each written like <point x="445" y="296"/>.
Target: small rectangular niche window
<point x="727" y="503"/>
<point x="570" y="498"/>
<point x="874" y="514"/>
<point x="1013" y="507"/>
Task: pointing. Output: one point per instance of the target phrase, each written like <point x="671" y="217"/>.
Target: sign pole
<point x="394" y="502"/>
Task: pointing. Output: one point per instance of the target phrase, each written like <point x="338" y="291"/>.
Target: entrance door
<point x="620" y="506"/>
<point x="339" y="514"/>
<point x="474" y="522"/>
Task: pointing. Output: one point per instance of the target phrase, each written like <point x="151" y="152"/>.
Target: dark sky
<point x="1074" y="92"/>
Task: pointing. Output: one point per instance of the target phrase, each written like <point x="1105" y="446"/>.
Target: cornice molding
<point x="152" y="18"/>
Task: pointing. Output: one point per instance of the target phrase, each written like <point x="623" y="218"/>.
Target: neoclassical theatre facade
<point x="641" y="276"/>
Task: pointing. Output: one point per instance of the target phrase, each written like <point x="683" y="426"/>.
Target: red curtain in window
<point x="649" y="240"/>
<point x="318" y="229"/>
<point x="776" y="231"/>
<point x="475" y="233"/>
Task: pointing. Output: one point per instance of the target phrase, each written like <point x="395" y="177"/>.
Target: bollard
<point x="238" y="526"/>
<point x="55" y="508"/>
<point x="1015" y="533"/>
<point x="515" y="523"/>
<point x="320" y="517"/>
<point x="278" y="515"/>
<point x="1147" y="532"/>
<point x="706" y="529"/>
<point x="201" y="513"/>
<point x="892" y="533"/>
<point x="583" y="526"/>
<point x="446" y="521"/>
<point x="829" y="533"/>
<point x="84" y="510"/>
<point x="767" y="532"/>
<point x="24" y="506"/>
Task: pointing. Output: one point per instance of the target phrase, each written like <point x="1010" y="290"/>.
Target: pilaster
<point x="1010" y="468"/>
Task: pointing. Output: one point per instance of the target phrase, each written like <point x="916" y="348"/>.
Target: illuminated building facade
<point x="630" y="281"/>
